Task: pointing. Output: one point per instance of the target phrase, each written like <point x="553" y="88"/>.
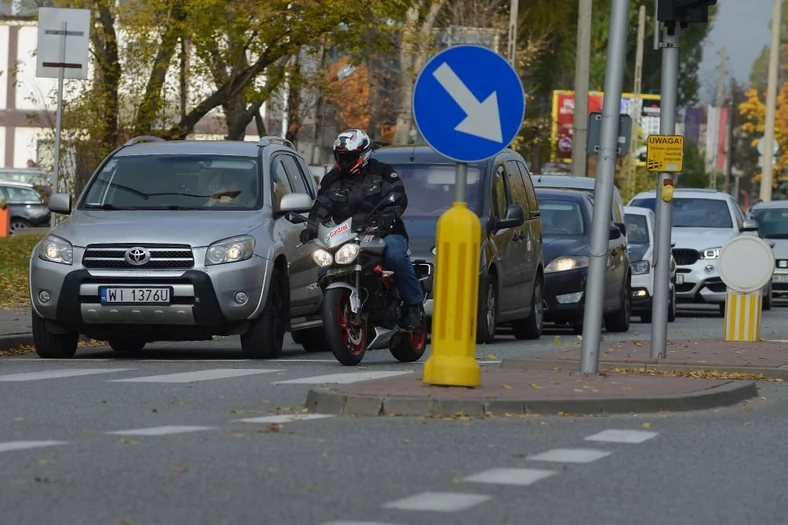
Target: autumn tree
<point x="753" y="109"/>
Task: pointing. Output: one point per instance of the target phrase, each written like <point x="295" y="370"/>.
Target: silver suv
<point x="180" y="241"/>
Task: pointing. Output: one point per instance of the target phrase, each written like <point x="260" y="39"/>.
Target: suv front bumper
<point x="701" y="283"/>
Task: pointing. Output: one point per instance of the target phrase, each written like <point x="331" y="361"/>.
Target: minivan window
<point x="517" y="187"/>
<point x="533" y="202"/>
<point x="562" y="217"/>
<point x="689" y="212"/>
<point x="161" y="182"/>
<point x="430" y="189"/>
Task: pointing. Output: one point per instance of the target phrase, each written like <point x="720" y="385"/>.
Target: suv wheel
<point x="672" y="306"/>
<point x="619" y="321"/>
<point x="266" y="335"/>
<point x="767" y="298"/>
<point x="487" y="314"/>
<point x="531" y="328"/>
<point x="53" y="346"/>
<point x="311" y="339"/>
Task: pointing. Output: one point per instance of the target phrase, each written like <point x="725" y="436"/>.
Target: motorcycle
<point x="361" y="305"/>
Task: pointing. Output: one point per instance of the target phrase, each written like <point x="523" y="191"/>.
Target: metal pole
<point x="667" y="126"/>
<point x="513" y="23"/>
<point x="636" y="104"/>
<point x="582" y="65"/>
<point x="460" y="188"/>
<point x="59" y="115"/>
<point x="603" y="186"/>
<point x="771" y="103"/>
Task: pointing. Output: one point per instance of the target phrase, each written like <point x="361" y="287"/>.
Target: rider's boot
<point x="411" y="316"/>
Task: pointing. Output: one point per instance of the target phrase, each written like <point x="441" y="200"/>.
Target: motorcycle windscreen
<point x="332" y="236"/>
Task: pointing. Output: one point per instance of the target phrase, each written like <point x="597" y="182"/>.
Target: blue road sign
<point x="468" y="103"/>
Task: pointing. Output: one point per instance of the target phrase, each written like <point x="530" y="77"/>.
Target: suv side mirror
<point x="60" y="203"/>
<point x="615" y="232"/>
<point x="515" y="216"/>
<point x="295" y="203"/>
<point x="749" y="225"/>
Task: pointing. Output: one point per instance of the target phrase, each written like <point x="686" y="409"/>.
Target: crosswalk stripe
<point x="510" y="476"/>
<point x="622" y="436"/>
<point x="57" y="374"/>
<point x="341" y="379"/>
<point x="165" y="430"/>
<point x="22" y="445"/>
<point x="200" y="375"/>
<point x="439" y="502"/>
<point x="283" y="418"/>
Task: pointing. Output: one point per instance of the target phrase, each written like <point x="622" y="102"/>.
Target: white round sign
<point x="746" y="263"/>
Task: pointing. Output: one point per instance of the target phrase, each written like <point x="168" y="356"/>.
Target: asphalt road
<point x="191" y="433"/>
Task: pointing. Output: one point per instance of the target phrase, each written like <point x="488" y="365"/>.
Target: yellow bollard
<point x="743" y="316"/>
<point x="456" y="293"/>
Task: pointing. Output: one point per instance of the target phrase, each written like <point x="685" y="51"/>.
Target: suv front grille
<point x="685" y="257"/>
<point x="161" y="256"/>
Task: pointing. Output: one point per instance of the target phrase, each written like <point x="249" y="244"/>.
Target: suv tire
<point x="266" y="334"/>
<point x="311" y="339"/>
<point x="52" y="346"/>
<point x="531" y="328"/>
<point x="619" y="321"/>
<point x="486" y="316"/>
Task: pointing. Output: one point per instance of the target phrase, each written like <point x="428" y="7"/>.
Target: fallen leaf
<point x="304" y="410"/>
<point x="748" y="423"/>
<point x="19" y="419"/>
<point x="406" y="441"/>
<point x="269" y="429"/>
<point x="128" y="441"/>
<point x="236" y="411"/>
<point x="456" y="479"/>
<point x="178" y="469"/>
<point x="46" y="461"/>
<point x="579" y="337"/>
<point x="646" y="424"/>
<point x="46" y="479"/>
<point x="273" y="470"/>
<point x="543" y="423"/>
<point x="492" y="356"/>
<point x="507" y="386"/>
<point x="534" y="385"/>
<point x="579" y="390"/>
<point x="557" y="340"/>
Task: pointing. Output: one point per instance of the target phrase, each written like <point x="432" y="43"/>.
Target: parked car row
<point x="27" y="208"/>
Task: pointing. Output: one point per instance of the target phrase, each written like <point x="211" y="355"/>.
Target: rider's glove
<point x="386" y="220"/>
<point x="307" y="234"/>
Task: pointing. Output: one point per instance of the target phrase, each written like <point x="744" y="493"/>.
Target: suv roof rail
<point x="143" y="138"/>
<point x="272" y="139"/>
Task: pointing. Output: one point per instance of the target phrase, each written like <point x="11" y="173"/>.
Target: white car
<point x="772" y="220"/>
<point x="641" y="231"/>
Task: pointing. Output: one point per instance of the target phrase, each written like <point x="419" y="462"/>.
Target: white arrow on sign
<point x="482" y="118"/>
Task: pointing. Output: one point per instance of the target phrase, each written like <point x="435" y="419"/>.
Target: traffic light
<point x="684" y="11"/>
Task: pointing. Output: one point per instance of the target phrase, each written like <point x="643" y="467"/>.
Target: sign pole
<point x="59" y="114"/>
<point x="603" y="186"/>
<point x="664" y="194"/>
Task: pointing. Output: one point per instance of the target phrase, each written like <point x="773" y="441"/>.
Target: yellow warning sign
<point x="665" y="153"/>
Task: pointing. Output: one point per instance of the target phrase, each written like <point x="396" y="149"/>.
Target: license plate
<point x="679" y="279"/>
<point x="128" y="295"/>
<point x="780" y="279"/>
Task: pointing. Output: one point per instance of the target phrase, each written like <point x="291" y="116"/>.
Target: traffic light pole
<point x="664" y="194"/>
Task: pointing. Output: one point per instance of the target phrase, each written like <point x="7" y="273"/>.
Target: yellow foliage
<point x="350" y="95"/>
<point x="753" y="109"/>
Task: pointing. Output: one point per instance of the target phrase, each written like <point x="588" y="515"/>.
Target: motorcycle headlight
<point x="564" y="264"/>
<point x="710" y="253"/>
<point x="347" y="254"/>
<point x="640" y="267"/>
<point x="230" y="250"/>
<point x="322" y="258"/>
<point x="56" y="250"/>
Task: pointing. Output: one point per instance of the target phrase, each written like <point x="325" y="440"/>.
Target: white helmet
<point x="352" y="151"/>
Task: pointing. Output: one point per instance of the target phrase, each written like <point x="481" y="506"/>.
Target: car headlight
<point x="322" y="258"/>
<point x="230" y="250"/>
<point x="640" y="267"/>
<point x="56" y="250"/>
<point x="566" y="263"/>
<point x="710" y="253"/>
<point x="347" y="254"/>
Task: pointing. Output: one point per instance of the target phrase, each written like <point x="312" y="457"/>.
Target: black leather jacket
<point x="341" y="196"/>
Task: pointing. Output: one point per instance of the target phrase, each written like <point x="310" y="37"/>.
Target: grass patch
<point x="14" y="260"/>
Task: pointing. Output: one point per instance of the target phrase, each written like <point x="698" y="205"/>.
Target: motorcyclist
<point x="353" y="188"/>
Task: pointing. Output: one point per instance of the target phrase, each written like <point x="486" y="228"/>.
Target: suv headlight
<point x="322" y="258"/>
<point x="230" y="250"/>
<point x="640" y="267"/>
<point x="347" y="254"/>
<point x="56" y="250"/>
<point x="566" y="263"/>
<point x="710" y="253"/>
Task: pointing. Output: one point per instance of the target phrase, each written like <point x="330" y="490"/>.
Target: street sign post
<point x="457" y="101"/>
<point x="665" y="153"/>
<point x="63" y="52"/>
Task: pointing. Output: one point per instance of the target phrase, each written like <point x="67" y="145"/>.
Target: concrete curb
<point x="572" y="365"/>
<point x="328" y="401"/>
<point x="8" y="342"/>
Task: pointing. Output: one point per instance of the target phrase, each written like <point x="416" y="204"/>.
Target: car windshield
<point x="430" y="189"/>
<point x="637" y="228"/>
<point x="773" y="223"/>
<point x="173" y="182"/>
<point x="561" y="217"/>
<point x="691" y="212"/>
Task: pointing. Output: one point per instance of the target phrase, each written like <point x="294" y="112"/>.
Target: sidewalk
<point x="15" y="327"/>
<point x="521" y="392"/>
<point x="768" y="358"/>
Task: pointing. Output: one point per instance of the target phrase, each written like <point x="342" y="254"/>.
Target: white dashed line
<point x="439" y="502"/>
<point x="201" y="375"/>
<point x="159" y="431"/>
<point x="571" y="455"/>
<point x="622" y="436"/>
<point x="510" y="476"/>
<point x="8" y="446"/>
<point x="340" y="379"/>
<point x="58" y="374"/>
<point x="283" y="418"/>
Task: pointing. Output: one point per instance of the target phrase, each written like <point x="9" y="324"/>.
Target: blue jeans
<point x="396" y="259"/>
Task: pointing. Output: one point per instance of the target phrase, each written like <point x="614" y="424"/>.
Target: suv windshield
<point x="173" y="182"/>
<point x="637" y="228"/>
<point x="430" y="189"/>
<point x="561" y="217"/>
<point x="773" y="223"/>
<point x="690" y="212"/>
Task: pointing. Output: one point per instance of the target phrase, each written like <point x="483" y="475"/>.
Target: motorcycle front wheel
<point x="346" y="338"/>
<point x="407" y="347"/>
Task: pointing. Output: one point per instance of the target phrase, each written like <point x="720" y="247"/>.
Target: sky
<point x="743" y="28"/>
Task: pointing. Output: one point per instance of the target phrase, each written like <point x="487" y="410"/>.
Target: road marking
<point x="571" y="455"/>
<point x="622" y="436"/>
<point x="57" y="374"/>
<point x="200" y="375"/>
<point x="283" y="418"/>
<point x="340" y="379"/>
<point x="439" y="502"/>
<point x="159" y="431"/>
<point x="22" y="445"/>
<point x="510" y="476"/>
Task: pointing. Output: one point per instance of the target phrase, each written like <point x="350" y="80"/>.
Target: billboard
<point x="646" y="105"/>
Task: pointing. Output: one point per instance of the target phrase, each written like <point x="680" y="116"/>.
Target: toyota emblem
<point x="137" y="256"/>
